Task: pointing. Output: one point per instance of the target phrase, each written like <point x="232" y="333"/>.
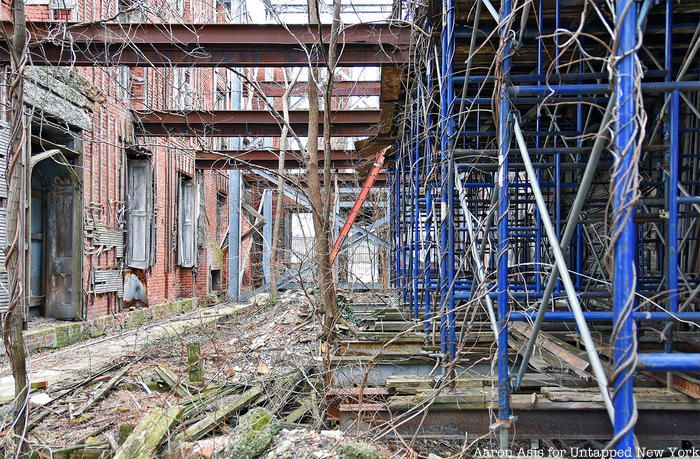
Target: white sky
<point x="374" y="10"/>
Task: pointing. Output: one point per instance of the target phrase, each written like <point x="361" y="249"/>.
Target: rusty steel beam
<point x="661" y="424"/>
<point x="207" y="45"/>
<point x="681" y="382"/>
<point x="269" y="159"/>
<point x="343" y="177"/>
<point x="251" y="123"/>
<point x="340" y="88"/>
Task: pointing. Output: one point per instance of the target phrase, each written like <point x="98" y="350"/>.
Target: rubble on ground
<point x="249" y="385"/>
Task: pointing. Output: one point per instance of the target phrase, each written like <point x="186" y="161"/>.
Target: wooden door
<point x="63" y="238"/>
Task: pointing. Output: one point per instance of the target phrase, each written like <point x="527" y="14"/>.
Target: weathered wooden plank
<point x="413" y="384"/>
<point x="281" y="390"/>
<point x="106" y="387"/>
<point x="681" y="382"/>
<point x="195" y="369"/>
<point x="167" y="375"/>
<point x="554" y="346"/>
<point x="537" y="361"/>
<point x="148" y="434"/>
<point x="213" y="419"/>
<point x="297" y="413"/>
<point x="642" y="394"/>
<point x="467" y="399"/>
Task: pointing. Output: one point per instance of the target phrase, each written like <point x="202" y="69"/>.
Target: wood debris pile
<point x="180" y="390"/>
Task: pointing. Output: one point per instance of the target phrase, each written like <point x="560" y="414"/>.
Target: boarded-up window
<point x="140" y="213"/>
<point x="182" y="89"/>
<point x="186" y="238"/>
<point x="221" y="216"/>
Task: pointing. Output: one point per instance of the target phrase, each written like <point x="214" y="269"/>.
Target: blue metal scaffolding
<point x="548" y="164"/>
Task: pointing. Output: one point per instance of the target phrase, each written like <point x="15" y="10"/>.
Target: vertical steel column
<point x="538" y="218"/>
<point x="672" y="182"/>
<point x="429" y="217"/>
<point x="672" y="203"/>
<point x="400" y="209"/>
<point x="416" y="168"/>
<point x="234" y="235"/>
<point x="504" y="120"/>
<point x="447" y="267"/>
<point x="429" y="214"/>
<point x="578" y="254"/>
<point x="390" y="213"/>
<point x="397" y="222"/>
<point x="625" y="244"/>
<point x="405" y="223"/>
<point x="267" y="234"/>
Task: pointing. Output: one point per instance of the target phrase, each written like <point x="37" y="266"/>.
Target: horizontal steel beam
<point x="253" y="123"/>
<point x="269" y="159"/>
<point x="583" y="421"/>
<point x="344" y="178"/>
<point x="207" y="45"/>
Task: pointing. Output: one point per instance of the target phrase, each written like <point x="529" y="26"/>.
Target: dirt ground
<point x="260" y="345"/>
<point x="272" y="347"/>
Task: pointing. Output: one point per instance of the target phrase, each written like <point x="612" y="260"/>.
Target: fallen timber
<point x="389" y="379"/>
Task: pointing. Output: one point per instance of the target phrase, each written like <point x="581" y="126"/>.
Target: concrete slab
<point x="75" y="361"/>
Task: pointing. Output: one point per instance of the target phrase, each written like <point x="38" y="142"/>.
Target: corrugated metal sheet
<point x="4" y="294"/>
<point x="106" y="238"/>
<point x="107" y="280"/>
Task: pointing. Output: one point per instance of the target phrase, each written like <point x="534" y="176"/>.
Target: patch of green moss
<point x="253" y="435"/>
<point x="356" y="450"/>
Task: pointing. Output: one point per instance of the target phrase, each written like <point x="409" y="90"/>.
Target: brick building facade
<point x="149" y="225"/>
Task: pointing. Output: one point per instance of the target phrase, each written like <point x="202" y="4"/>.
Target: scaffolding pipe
<point x="574" y="304"/>
<point x="624" y="229"/>
<point x="504" y="120"/>
<point x="571" y="224"/>
<point x="475" y="252"/>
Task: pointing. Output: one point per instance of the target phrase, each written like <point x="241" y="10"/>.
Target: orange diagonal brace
<point x="369" y="183"/>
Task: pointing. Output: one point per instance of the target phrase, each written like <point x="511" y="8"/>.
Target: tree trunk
<point x="277" y="228"/>
<point x="16" y="226"/>
<point x="320" y="199"/>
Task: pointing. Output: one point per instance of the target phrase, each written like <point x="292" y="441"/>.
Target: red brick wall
<point x="104" y="164"/>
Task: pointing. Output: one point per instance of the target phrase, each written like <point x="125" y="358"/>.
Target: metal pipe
<point x="504" y="139"/>
<point x="447" y="194"/>
<point x="428" y="252"/>
<point x="605" y="316"/>
<point x="672" y="222"/>
<point x="561" y="77"/>
<point x="624" y="228"/>
<point x="598" y="88"/>
<point x="574" y="304"/>
<point x="416" y="208"/>
<point x="475" y="252"/>
<point x="470" y="57"/>
<point x="572" y="221"/>
<point x="669" y="362"/>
